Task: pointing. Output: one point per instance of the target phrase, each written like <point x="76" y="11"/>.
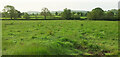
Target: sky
<point x="58" y="5"/>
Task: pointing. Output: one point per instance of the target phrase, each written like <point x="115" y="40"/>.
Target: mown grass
<point x="59" y="37"/>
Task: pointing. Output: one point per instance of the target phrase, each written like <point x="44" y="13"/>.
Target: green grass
<point x="59" y="37"/>
<point x="83" y="17"/>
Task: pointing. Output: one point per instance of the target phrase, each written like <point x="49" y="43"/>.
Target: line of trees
<point x="99" y="14"/>
<point x="96" y="14"/>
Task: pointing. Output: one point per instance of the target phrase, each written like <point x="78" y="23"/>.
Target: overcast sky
<point x="55" y="5"/>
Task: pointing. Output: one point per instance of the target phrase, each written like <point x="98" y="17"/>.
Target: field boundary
<point x="58" y="56"/>
<point x="61" y="19"/>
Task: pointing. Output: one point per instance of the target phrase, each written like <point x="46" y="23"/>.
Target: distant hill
<point x="83" y="11"/>
<point x="31" y="12"/>
<point x="56" y="11"/>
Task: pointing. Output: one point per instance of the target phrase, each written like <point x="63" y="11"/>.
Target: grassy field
<point x="59" y="37"/>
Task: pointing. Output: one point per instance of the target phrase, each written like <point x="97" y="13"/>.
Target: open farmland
<point x="59" y="37"/>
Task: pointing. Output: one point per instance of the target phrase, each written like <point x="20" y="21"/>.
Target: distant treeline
<point x="9" y="12"/>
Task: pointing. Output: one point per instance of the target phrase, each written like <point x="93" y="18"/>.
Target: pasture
<point x="59" y="37"/>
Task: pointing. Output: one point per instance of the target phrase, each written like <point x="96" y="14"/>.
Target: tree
<point x="56" y="13"/>
<point x="119" y="14"/>
<point x="33" y="14"/>
<point x="19" y="13"/>
<point x="5" y="14"/>
<point x="78" y="13"/>
<point x="0" y="14"/>
<point x="85" y="14"/>
<point x="26" y="16"/>
<point x="96" y="13"/>
<point x="115" y="11"/>
<point x="82" y="14"/>
<point x="16" y="14"/>
<point x="109" y="15"/>
<point x="45" y="12"/>
<point x="66" y="14"/>
<point x="10" y="11"/>
<point x="89" y="15"/>
<point x="75" y="15"/>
